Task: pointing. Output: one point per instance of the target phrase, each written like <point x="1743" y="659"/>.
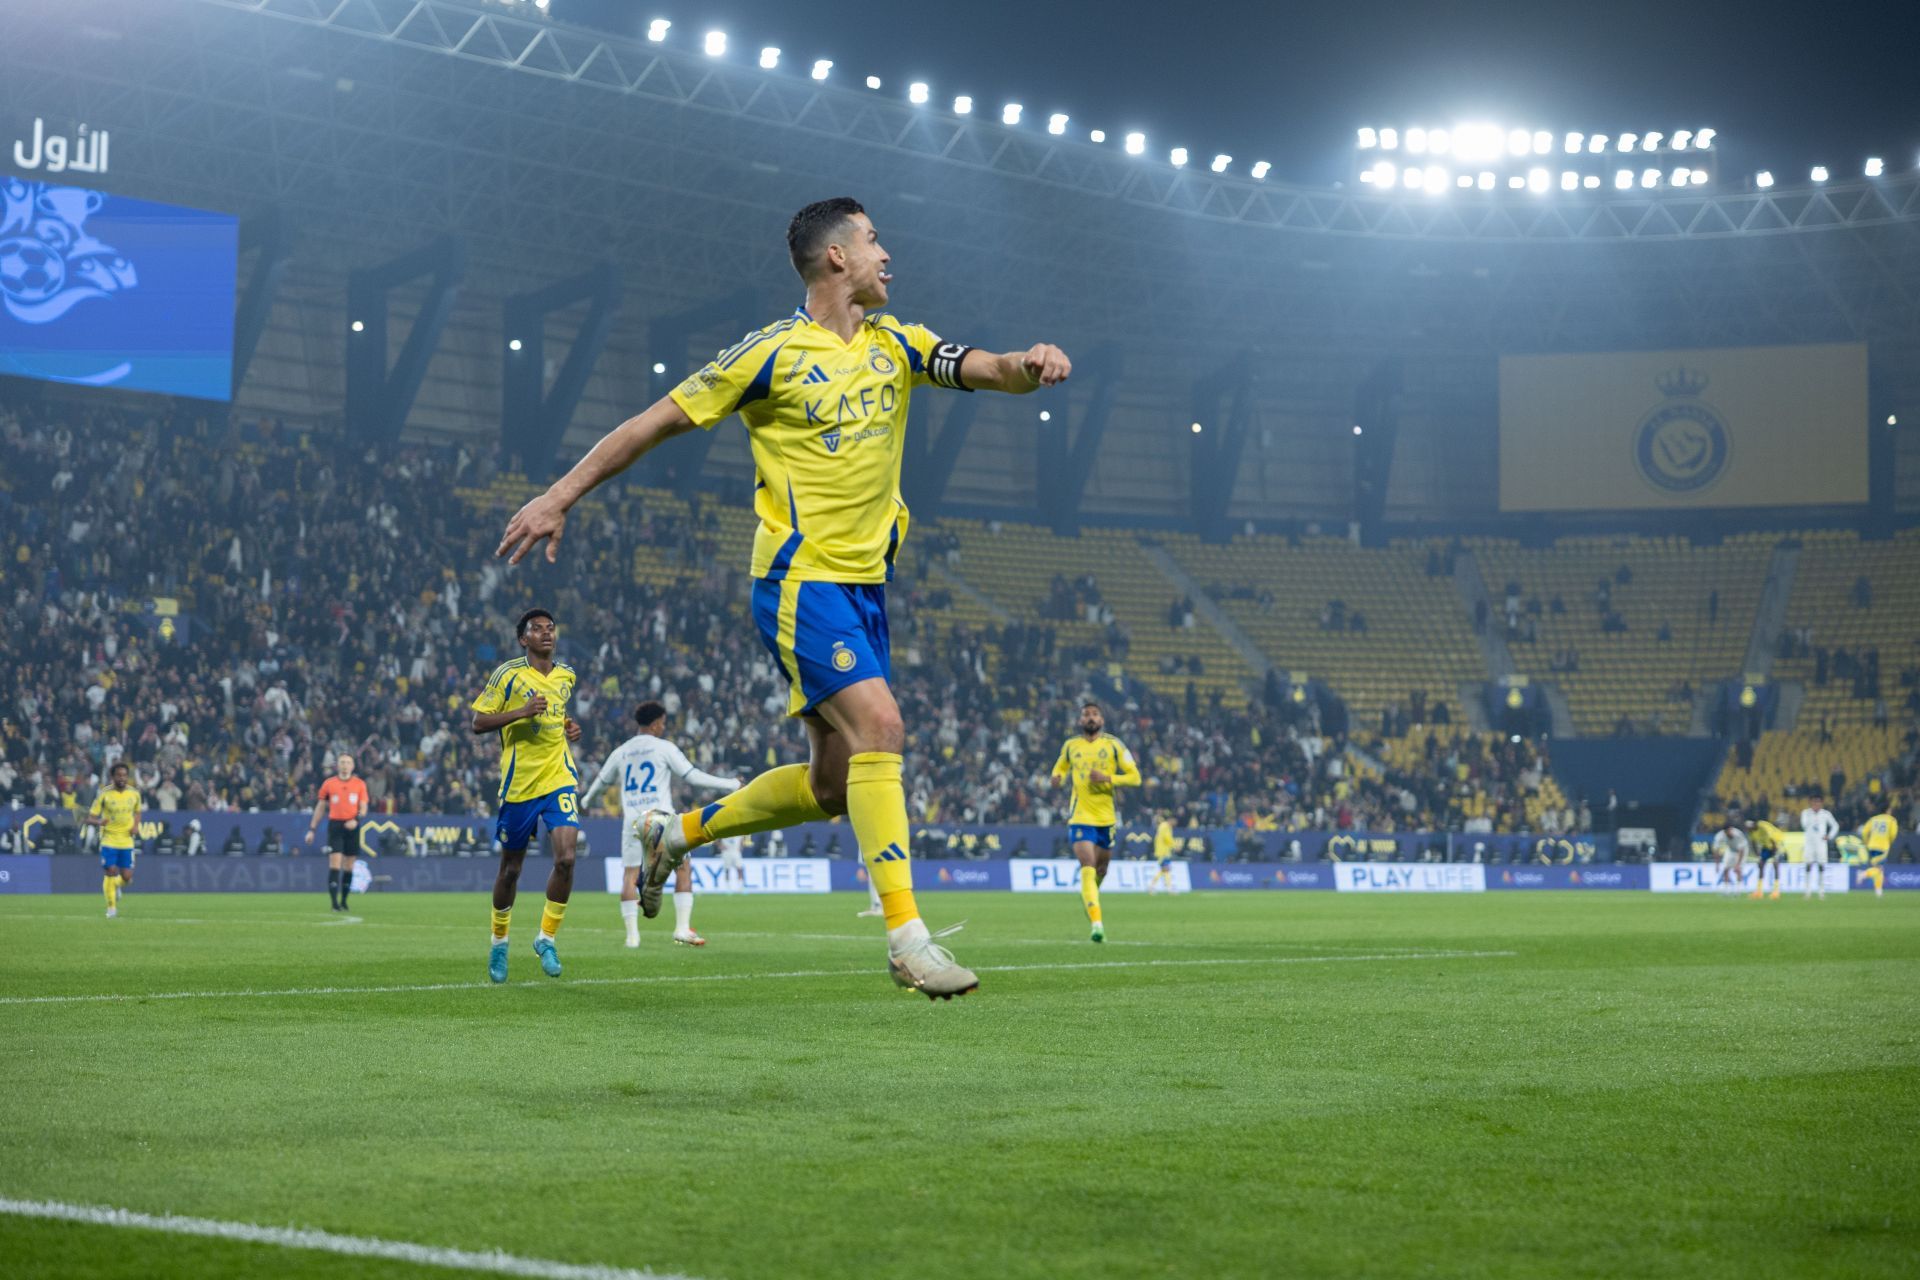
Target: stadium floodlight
<point x="1057" y="123"/>
<point x="1627" y="140"/>
<point x="1389" y="139"/>
<point x="1651" y="142"/>
<point x="1819" y="173"/>
<point x="1699" y="178"/>
<point x="1591" y="181"/>
<point x="1703" y="139"/>
<point x="1875" y="166"/>
<point x="821" y="68"/>
<point x="963" y="105"/>
<point x="1537" y="180"/>
<point x="1893" y="420"/>
<point x="1177" y="157"/>
<point x="917" y="92"/>
<point x="1436" y="180"/>
<point x="1569" y="180"/>
<point x="1597" y="144"/>
<point x="1098" y="135"/>
<point x="1045" y="416"/>
<point x="1681" y="177"/>
<point x="1356" y="428"/>
<point x="1649" y="177"/>
<point x="1136" y="144"/>
<point x="659" y="366"/>
<point x="1464" y="182"/>
<point x="1369" y="139"/>
<point x="769" y="58"/>
<point x="1574" y="142"/>
<point x="1417" y="141"/>
<point x="1484" y="181"/>
<point x="1220" y="163"/>
<point x="657" y="30"/>
<point x="1010" y="114"/>
<point x="359" y="326"/>
<point x="513" y="344"/>
<point x="1516" y="183"/>
<point x="873" y="82"/>
<point x="1260" y="170"/>
<point x="1681" y="138"/>
<point x="1763" y="179"/>
<point x="1366" y="176"/>
<point x="715" y="43"/>
<point x="1623" y="180"/>
<point x="1519" y="141"/>
<point x="1542" y="142"/>
<point x="1384" y="173"/>
<point x="1439" y="141"/>
<point x="1195" y="428"/>
<point x="1413" y="178"/>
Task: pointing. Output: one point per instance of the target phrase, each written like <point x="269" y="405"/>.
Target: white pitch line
<point x="492" y="1261"/>
<point x="665" y="978"/>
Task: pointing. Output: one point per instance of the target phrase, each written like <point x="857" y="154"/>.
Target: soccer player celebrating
<point x="343" y="798"/>
<point x="645" y="766"/>
<point x="1817" y="827"/>
<point x="1731" y="847"/>
<point x="1769" y="847"/>
<point x="823" y="394"/>
<point x="116" y="811"/>
<point x="1096" y="763"/>
<point x="525" y="702"/>
<point x="1879" y="832"/>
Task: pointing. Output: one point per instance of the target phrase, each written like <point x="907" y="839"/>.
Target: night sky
<point x="1832" y="83"/>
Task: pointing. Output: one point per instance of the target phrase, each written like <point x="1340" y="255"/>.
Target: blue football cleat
<point x="549" y="960"/>
<point x="497" y="961"/>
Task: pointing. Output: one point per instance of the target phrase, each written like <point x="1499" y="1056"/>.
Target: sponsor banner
<point x="1684" y="429"/>
<point x="1529" y="848"/>
<point x="1410" y="877"/>
<point x="1062" y="875"/>
<point x="1609" y="876"/>
<point x="1259" y="876"/>
<point x="1704" y="877"/>
<point x="764" y="875"/>
<point x="1898" y="877"/>
<point x="29" y="873"/>
<point x="931" y="874"/>
<point x="164" y="873"/>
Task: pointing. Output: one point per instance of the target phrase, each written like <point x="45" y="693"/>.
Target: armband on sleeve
<point x="943" y="370"/>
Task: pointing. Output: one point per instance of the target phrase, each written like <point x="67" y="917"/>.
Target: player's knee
<point x="887" y="733"/>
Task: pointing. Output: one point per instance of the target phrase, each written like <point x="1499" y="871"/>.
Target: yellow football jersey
<point x="1163" y="841"/>
<point x="1768" y="836"/>
<point x="535" y="759"/>
<point x="827" y="421"/>
<point x="1081" y="755"/>
<point x="1879" y="832"/>
<point x="119" y="808"/>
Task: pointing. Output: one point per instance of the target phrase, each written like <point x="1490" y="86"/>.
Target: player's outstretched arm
<point x="1016" y="372"/>
<point x="546" y="516"/>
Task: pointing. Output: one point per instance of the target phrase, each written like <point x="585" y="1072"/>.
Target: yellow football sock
<point x="877" y="807"/>
<point x="777" y="798"/>
<point x="551" y="916"/>
<point x="1090" y="893"/>
<point x="1879" y="876"/>
<point x="500" y="919"/>
<point x="110" y="886"/>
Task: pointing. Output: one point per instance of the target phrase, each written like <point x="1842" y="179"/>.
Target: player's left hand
<point x="573" y="729"/>
<point x="1046" y="364"/>
<point x="353" y="823"/>
<point x="543" y="517"/>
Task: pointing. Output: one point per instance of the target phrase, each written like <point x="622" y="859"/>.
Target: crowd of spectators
<point x="225" y="605"/>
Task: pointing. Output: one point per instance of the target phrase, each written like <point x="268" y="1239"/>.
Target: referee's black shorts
<point x="342" y="838"/>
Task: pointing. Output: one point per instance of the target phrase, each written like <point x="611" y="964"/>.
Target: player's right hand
<point x="534" y="706"/>
<point x="543" y="517"/>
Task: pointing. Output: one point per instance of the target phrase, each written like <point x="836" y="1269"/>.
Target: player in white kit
<point x="1818" y="828"/>
<point x="644" y="767"/>
<point x="1731" y="846"/>
<point x="733" y="874"/>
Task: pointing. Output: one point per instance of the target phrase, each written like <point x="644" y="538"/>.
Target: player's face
<point x="1091" y="721"/>
<point x="119" y="776"/>
<point x="540" y="637"/>
<point x="866" y="262"/>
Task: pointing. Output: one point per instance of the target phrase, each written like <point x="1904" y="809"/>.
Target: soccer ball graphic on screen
<point x="30" y="271"/>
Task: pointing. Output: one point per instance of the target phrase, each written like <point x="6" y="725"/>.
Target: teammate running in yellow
<point x="823" y="394"/>
<point x="525" y="702"/>
<point x="1879" y="833"/>
<point x="1770" y="849"/>
<point x="116" y="811"/>
<point x="1096" y="762"/>
<point x="1163" y="846"/>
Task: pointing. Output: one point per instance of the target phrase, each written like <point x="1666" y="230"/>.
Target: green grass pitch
<point x="1508" y="1085"/>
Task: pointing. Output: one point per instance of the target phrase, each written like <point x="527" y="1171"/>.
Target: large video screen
<point x="106" y="291"/>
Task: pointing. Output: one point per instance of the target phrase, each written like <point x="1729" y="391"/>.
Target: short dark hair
<point x="118" y="764"/>
<point x="648" y="712"/>
<point x="813" y="226"/>
<point x="520" y="627"/>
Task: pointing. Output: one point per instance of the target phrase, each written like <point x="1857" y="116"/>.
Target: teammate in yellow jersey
<point x="525" y="702"/>
<point x="1096" y="762"/>
<point x="1879" y="833"/>
<point x="823" y="394"/>
<point x="116" y="811"/>
<point x="1770" y="849"/>
<point x="1163" y="847"/>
